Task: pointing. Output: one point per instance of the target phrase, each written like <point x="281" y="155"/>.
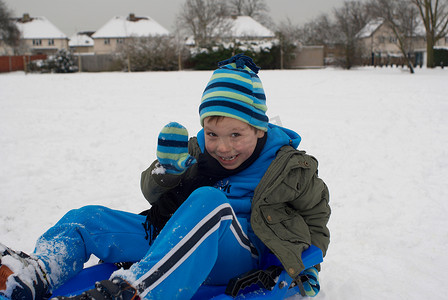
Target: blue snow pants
<point x="203" y="241"/>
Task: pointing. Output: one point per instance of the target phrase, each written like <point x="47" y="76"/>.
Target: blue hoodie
<point x="240" y="187"/>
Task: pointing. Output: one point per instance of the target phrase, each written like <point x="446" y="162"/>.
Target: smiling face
<point x="230" y="141"/>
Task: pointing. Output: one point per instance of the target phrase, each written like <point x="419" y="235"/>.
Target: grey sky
<point x="71" y="16"/>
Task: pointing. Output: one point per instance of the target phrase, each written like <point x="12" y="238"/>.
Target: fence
<point x="18" y="62"/>
<point x="385" y="60"/>
<point x="97" y="63"/>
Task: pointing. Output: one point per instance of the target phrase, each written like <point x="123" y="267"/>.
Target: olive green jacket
<point x="290" y="207"/>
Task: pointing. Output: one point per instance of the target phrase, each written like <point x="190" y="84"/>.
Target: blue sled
<point x="280" y="289"/>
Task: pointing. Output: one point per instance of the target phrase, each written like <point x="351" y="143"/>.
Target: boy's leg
<point x="187" y="248"/>
<point x="111" y="235"/>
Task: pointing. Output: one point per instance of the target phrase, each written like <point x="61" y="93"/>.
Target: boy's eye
<point x="235" y="134"/>
<point x="211" y="134"/>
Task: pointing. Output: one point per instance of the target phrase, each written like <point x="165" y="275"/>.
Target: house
<point x="120" y="29"/>
<point x="380" y="45"/>
<point x="378" y="42"/>
<point x="40" y="36"/>
<point x="81" y="43"/>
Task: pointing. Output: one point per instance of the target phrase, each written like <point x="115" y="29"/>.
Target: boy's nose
<point x="223" y="146"/>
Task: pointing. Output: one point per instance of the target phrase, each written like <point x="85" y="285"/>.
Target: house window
<point x="50" y="42"/>
<point x="393" y="39"/>
<point x="446" y="40"/>
<point x="120" y="41"/>
<point x="106" y="41"/>
<point x="37" y="42"/>
<point x="381" y="39"/>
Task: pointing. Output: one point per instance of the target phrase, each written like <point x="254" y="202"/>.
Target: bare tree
<point x="288" y="35"/>
<point x="401" y="18"/>
<point x="149" y="53"/>
<point x="349" y="20"/>
<point x="237" y="7"/>
<point x="9" y="33"/>
<point x="339" y="30"/>
<point x="434" y="14"/>
<point x="320" y="31"/>
<point x="204" y="20"/>
<point x="179" y="40"/>
<point x="256" y="9"/>
<point x="251" y="8"/>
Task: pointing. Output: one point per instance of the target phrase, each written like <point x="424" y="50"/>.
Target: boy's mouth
<point x="228" y="158"/>
<point x="228" y="162"/>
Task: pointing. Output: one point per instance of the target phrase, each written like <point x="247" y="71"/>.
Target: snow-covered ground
<point x="380" y="135"/>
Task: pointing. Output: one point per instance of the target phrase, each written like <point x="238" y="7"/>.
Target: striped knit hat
<point x="235" y="91"/>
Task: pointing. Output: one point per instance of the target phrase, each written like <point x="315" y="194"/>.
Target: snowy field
<point x="380" y="135"/>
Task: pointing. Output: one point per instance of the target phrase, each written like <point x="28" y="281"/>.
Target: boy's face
<point x="230" y="141"/>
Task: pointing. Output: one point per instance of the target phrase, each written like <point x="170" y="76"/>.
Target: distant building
<point x="81" y="43"/>
<point x="378" y="38"/>
<point x="40" y="36"/>
<point x="381" y="46"/>
<point x="120" y="29"/>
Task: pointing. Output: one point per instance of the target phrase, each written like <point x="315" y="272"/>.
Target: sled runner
<point x="270" y="282"/>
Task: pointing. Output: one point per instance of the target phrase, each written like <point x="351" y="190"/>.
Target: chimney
<point x="26" y="17"/>
<point x="131" y="17"/>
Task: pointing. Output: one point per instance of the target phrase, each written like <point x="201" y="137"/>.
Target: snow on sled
<point x="270" y="282"/>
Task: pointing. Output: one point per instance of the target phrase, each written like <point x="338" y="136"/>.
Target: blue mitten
<point x="172" y="149"/>
<point x="311" y="286"/>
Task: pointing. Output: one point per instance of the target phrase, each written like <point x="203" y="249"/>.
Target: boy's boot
<point x="21" y="276"/>
<point x="115" y="289"/>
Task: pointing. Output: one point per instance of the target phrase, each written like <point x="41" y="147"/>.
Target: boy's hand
<point x="172" y="149"/>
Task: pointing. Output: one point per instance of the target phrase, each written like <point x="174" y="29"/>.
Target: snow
<point x="121" y="27"/>
<point x="243" y="26"/>
<point x="80" y="40"/>
<point x="380" y="135"/>
<point x="40" y="28"/>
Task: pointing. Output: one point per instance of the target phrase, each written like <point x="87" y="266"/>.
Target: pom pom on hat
<point x="235" y="91"/>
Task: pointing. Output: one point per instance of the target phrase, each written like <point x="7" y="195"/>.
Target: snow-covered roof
<point x="373" y="25"/>
<point x="39" y="28"/>
<point x="244" y="26"/>
<point x="80" y="40"/>
<point x="370" y="28"/>
<point x="121" y="27"/>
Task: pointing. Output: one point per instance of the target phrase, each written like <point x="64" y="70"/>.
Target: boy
<point x="219" y="202"/>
